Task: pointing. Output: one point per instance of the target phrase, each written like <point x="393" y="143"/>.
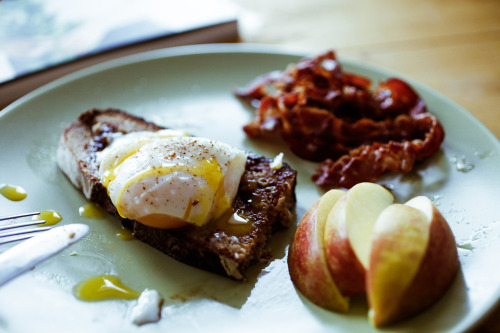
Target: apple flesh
<point x="413" y="260"/>
<point x="348" y="233"/>
<point x="306" y="257"/>
<point x="403" y="256"/>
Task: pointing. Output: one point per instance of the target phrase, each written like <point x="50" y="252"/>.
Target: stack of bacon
<point x="325" y="114"/>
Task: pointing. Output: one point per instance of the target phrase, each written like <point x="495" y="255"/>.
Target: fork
<point x="22" y="232"/>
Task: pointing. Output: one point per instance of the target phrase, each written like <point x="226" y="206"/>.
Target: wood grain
<point x="451" y="46"/>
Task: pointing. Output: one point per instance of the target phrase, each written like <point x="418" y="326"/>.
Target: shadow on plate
<point x="443" y="315"/>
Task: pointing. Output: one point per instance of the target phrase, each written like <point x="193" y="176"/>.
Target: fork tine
<point x="9" y="237"/>
<point x="12" y="217"/>
<point x="19" y="225"/>
<point x="16" y="239"/>
<point x="22" y="232"/>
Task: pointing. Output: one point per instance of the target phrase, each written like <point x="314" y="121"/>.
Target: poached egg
<point x="167" y="179"/>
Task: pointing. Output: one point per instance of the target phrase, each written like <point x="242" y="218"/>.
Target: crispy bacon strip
<point x="325" y="114"/>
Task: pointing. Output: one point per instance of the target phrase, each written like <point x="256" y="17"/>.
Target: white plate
<point x="190" y="88"/>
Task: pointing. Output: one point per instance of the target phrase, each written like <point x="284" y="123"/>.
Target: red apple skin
<point x="308" y="268"/>
<point x="437" y="271"/>
<point x="345" y="268"/>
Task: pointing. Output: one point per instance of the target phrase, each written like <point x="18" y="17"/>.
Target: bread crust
<point x="266" y="197"/>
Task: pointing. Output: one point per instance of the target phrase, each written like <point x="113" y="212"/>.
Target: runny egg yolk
<point x="51" y="217"/>
<point x="91" y="211"/>
<point x="124" y="234"/>
<point x="167" y="181"/>
<point x="13" y="192"/>
<point x="103" y="287"/>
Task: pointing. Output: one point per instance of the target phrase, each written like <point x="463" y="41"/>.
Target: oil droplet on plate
<point x="125" y="234"/>
<point x="436" y="199"/>
<point x="461" y="164"/>
<point x="51" y="217"/>
<point x="103" y="287"/>
<point x="480" y="237"/>
<point x="91" y="211"/>
<point x="483" y="155"/>
<point x="465" y="245"/>
<point x="13" y="192"/>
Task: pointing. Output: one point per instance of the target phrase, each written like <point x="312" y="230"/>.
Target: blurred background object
<point x="453" y="47"/>
<point x="42" y="40"/>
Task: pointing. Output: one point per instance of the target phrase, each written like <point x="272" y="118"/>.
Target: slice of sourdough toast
<point x="266" y="199"/>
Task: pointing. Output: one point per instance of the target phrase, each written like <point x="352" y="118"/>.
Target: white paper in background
<point x="6" y="70"/>
<point x="35" y="34"/>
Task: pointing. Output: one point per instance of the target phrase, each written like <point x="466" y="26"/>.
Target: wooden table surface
<point x="450" y="46"/>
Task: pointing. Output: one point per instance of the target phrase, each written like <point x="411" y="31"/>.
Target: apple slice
<point x="413" y="260"/>
<point x="348" y="235"/>
<point x="306" y="257"/>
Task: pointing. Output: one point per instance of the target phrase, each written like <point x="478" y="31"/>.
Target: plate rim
<point x="246" y="48"/>
<point x="233" y="48"/>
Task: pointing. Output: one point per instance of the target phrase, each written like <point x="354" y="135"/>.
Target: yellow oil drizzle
<point x="51" y="217"/>
<point x="13" y="192"/>
<point x="103" y="287"/>
<point x="91" y="211"/>
<point x="110" y="175"/>
<point x="162" y="221"/>
<point x="237" y="229"/>
<point x="125" y="234"/>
